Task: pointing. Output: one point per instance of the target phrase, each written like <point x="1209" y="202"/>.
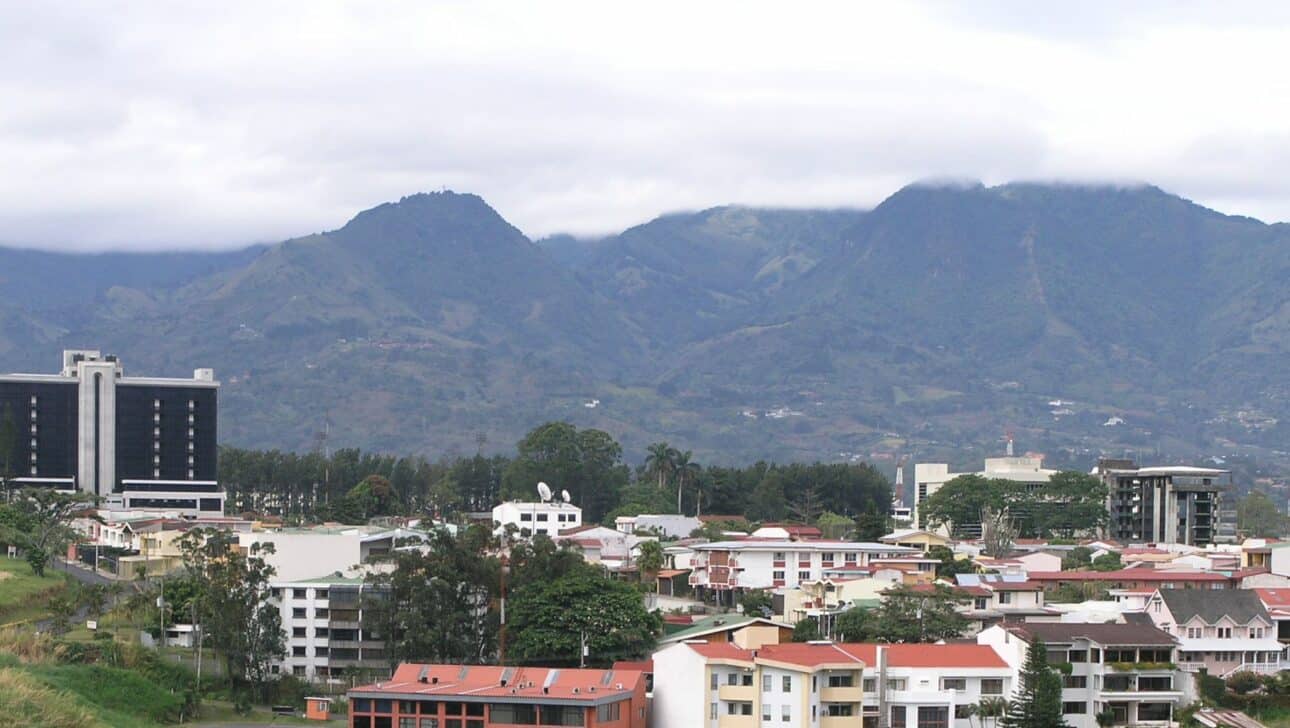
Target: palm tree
<point x="990" y="709"/>
<point x="650" y="561"/>
<point x="686" y="470"/>
<point x="661" y="462"/>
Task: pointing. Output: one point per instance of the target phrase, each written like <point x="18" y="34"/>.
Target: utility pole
<point x="582" y="648"/>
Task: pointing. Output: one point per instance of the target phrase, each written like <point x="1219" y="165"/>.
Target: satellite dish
<point x="544" y="492"/>
<point x="565" y="495"/>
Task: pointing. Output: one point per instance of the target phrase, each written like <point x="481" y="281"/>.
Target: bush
<point x="1243" y="683"/>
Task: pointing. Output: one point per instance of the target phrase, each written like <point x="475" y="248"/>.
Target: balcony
<point x="737" y="693"/>
<point x="842" y="695"/>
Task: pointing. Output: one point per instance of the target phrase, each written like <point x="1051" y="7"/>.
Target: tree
<point x="437" y="604"/>
<point x="1069" y="503"/>
<point x="909" y="614"/>
<point x="660" y="462"/>
<point x="998" y="531"/>
<point x="1109" y="561"/>
<point x="231" y="591"/>
<point x="552" y="620"/>
<point x="872" y="525"/>
<point x="989" y="710"/>
<point x="767" y="501"/>
<point x="1078" y="558"/>
<point x="1038" y="701"/>
<point x="950" y="563"/>
<point x="807" y="630"/>
<point x="39" y="523"/>
<point x="650" y="561"/>
<point x="686" y="472"/>
<point x="1258" y="517"/>
<point x="587" y="463"/>
<point x="834" y="526"/>
<point x="757" y="603"/>
<point x="857" y="624"/>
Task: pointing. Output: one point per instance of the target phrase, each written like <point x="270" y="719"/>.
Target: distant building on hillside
<point x="670" y="525"/>
<point x="1166" y="505"/>
<point x="930" y="477"/>
<point x="546" y="518"/>
<point x="136" y="442"/>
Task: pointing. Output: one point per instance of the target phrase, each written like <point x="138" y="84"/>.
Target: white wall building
<point x="529" y="519"/>
<point x="300" y="553"/>
<point x="323" y="620"/>
<point x="669" y="525"/>
<point x="724" y="566"/>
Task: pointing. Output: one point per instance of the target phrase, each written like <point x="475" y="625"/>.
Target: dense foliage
<point x="1070" y="503"/>
<point x="1038" y="700"/>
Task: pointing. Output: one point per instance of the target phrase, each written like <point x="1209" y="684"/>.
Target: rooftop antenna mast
<point x="1009" y="436"/>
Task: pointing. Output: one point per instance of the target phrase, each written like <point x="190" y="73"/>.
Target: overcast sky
<point x="220" y="124"/>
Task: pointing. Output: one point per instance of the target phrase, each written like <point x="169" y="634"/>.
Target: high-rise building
<point x="1170" y="504"/>
<point x="134" y="442"/>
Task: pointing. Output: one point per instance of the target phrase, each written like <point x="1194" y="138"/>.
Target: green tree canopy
<point x="857" y="624"/>
<point x="587" y="463"/>
<point x="1068" y="504"/>
<point x="1258" y="517"/>
<point x="910" y="614"/>
<point x="550" y="620"/>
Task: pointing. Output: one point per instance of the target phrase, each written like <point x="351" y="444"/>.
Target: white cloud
<point x="163" y="125"/>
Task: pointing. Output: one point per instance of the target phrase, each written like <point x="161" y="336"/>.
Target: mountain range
<point x="1085" y="319"/>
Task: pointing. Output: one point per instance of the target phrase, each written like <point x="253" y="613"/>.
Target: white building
<point x="300" y="553"/>
<point x="930" y="477"/>
<point x="824" y="685"/>
<point x="323" y="620"/>
<point x="669" y="525"/>
<point x="725" y="566"/>
<point x="1124" y="669"/>
<point x="1223" y="631"/>
<point x="547" y="518"/>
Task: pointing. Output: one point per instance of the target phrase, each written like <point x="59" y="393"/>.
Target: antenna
<point x="544" y="492"/>
<point x="1009" y="435"/>
<point x="564" y="495"/>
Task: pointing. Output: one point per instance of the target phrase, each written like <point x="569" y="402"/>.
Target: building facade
<point x="1223" y="632"/>
<point x="1166" y="505"/>
<point x="729" y="566"/>
<point x="135" y="442"/>
<point x="1126" y="670"/>
<point x="530" y="519"/>
<point x="475" y="696"/>
<point x="825" y="685"/>
<point x="930" y="477"/>
<point x="329" y="634"/>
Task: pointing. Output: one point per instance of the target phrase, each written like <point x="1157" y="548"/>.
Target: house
<point x="1125" y="669"/>
<point x="1277" y="602"/>
<point x="668" y="525"/>
<point x="1257" y="552"/>
<point x="789" y="531"/>
<point x="548" y="518"/>
<point x="484" y="696"/>
<point x="825" y="684"/>
<point x="916" y="538"/>
<point x="1003" y="594"/>
<point x="723" y="568"/>
<point x="824" y="599"/>
<point x="600" y="545"/>
<point x="747" y="631"/>
<point x="1222" y="631"/>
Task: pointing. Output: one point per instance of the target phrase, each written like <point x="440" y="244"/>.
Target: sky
<point x="151" y="125"/>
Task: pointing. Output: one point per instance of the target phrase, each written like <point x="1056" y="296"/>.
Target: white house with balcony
<point x="725" y="567"/>
<point x="547" y="518"/>
<point x="1223" y="631"/>
<point x="1124" y="669"/>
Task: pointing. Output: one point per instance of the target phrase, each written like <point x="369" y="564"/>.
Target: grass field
<point x="22" y="594"/>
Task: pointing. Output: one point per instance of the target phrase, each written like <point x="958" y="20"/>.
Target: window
<point x="767" y="683"/>
<point x="712" y="712"/>
<point x="1154" y="712"/>
<point x="1256" y="633"/>
<point x="298" y="613"/>
<point x="1005" y="597"/>
<point x="815" y="684"/>
<point x="740" y="708"/>
<point x="1074" y="681"/>
<point x="765" y="712"/>
<point x="897" y="716"/>
<point x="543" y="517"/>
<point x="963" y="711"/>
<point x="1225" y="633"/>
<point x="613" y="711"/>
<point x="1154" y="684"/>
<point x="714" y="681"/>
<point x="953" y="683"/>
<point x="779" y="556"/>
<point x="933" y="716"/>
<point x="1074" y="708"/>
<point x="839" y="709"/>
<point x="785" y="713"/>
<point x="981" y="603"/>
<point x="298" y="632"/>
<point x="321" y="612"/>
<point x="1079" y="655"/>
<point x="777" y="575"/>
<point x="841" y="681"/>
<point x="746" y="679"/>
<point x="788" y="683"/>
<point x="992" y="686"/>
<point x="298" y="651"/>
<point x="803" y="575"/>
<point x="1194" y="633"/>
<point x="896" y="683"/>
<point x="870" y="684"/>
<point x="826" y="556"/>
<point x="732" y="679"/>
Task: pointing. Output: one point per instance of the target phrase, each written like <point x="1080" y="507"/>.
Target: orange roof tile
<point x="485" y="681"/>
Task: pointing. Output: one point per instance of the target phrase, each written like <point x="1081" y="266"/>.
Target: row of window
<point x="542" y="517"/>
<point x="1111" y="654"/>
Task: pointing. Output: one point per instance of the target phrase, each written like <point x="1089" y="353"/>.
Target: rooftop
<point x="1212" y="605"/>
<point x="477" y="683"/>
<point x="1104" y="634"/>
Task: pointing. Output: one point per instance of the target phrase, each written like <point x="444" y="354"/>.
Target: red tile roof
<point x="721" y="650"/>
<point x="485" y="681"/>
<point x="899" y="655"/>
<point x="1127" y="575"/>
<point x="639" y="666"/>
<point x="1274" y="597"/>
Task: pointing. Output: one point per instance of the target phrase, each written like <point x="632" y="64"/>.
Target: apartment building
<point x="824" y="684"/>
<point x="329" y="634"/>
<point x="1222" y="631"/>
<point x="1138" y="578"/>
<point x="1122" y="668"/>
<point x="724" y="568"/>
<point x="135" y="442"/>
<point x="1172" y="504"/>
<point x="476" y="696"/>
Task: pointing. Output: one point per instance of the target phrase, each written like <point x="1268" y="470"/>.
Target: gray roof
<point x="1212" y="605"/>
<point x="1109" y="634"/>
